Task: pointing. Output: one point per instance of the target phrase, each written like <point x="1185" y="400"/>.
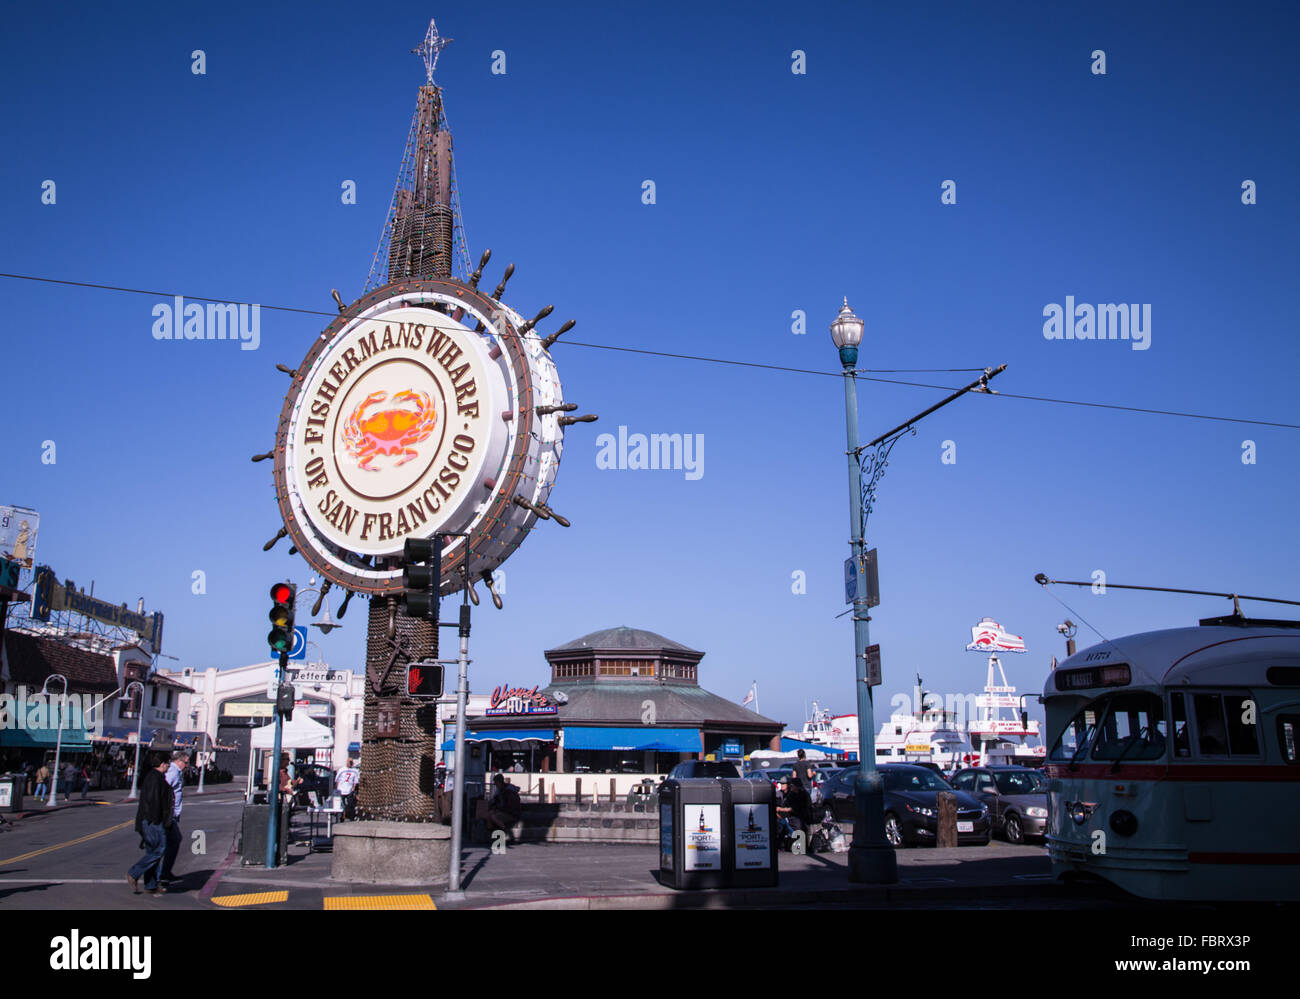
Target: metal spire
<point x="431" y="48"/>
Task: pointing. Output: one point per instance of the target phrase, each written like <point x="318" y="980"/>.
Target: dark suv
<point x="692" y="769"/>
<point x="1016" y="797"/>
<point x="911" y="804"/>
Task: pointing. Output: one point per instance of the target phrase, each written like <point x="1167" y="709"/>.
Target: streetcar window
<point x="1211" y="730"/>
<point x="1243" y="728"/>
<point x="1133" y="729"/>
<point x="1078" y="732"/>
<point x="1182" y="737"/>
<point x="1286" y="736"/>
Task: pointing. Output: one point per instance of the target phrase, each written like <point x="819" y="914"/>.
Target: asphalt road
<point x="77" y="857"/>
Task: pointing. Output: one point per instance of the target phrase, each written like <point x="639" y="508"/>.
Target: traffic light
<point x="422" y="581"/>
<point x="284" y="700"/>
<point x="282" y="598"/>
<point x="424" y="679"/>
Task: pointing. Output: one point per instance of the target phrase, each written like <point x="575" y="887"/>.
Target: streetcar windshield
<point x="1119" y="727"/>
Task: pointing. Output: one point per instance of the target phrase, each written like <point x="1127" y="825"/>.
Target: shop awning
<point x="506" y="735"/>
<point x="74" y="739"/>
<point x="659" y="740"/>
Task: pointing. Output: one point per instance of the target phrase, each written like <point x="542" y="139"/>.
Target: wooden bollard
<point x="946" y="819"/>
<point x="577" y="790"/>
<point x="612" y="792"/>
<point x="541" y="790"/>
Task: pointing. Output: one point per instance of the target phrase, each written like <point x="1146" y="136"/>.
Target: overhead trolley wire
<point x="720" y="360"/>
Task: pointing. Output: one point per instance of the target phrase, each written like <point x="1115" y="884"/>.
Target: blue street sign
<point x="850" y="580"/>
<point x="299" y="650"/>
<point x="731" y="747"/>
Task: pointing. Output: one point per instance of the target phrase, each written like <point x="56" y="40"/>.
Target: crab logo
<point x="390" y="432"/>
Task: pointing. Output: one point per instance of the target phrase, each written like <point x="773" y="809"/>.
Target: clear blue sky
<point x="775" y="192"/>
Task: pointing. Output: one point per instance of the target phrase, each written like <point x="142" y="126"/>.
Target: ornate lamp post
<point x="58" y="739"/>
<point x="139" y="731"/>
<point x="871" y="858"/>
<point x="203" y="743"/>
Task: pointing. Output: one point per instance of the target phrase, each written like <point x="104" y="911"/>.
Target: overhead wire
<point x="718" y="360"/>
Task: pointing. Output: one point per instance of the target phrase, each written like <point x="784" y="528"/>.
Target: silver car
<point x="1016" y="796"/>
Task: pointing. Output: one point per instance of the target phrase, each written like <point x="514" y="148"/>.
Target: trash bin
<point x="691" y="853"/>
<point x="12" y="787"/>
<point x="751" y="854"/>
<point x="252" y="838"/>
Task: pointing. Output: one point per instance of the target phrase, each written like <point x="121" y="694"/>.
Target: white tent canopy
<point x="300" y="732"/>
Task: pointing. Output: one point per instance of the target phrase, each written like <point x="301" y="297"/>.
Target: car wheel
<point x="1014" y="831"/>
<point x="893" y="830"/>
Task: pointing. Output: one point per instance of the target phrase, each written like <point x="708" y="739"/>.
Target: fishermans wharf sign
<point x="416" y="413"/>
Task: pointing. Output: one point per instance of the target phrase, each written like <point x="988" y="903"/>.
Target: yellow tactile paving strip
<point x="257" y="898"/>
<point x="379" y="902"/>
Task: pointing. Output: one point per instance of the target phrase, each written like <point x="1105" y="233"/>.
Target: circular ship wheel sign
<point x="403" y="422"/>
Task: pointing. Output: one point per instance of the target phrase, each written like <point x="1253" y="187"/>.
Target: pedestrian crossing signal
<point x="424" y="679"/>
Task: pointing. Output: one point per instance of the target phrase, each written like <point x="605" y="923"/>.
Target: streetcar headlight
<point x="1036" y="813"/>
<point x="1079" y="811"/>
<point x="1124" y="822"/>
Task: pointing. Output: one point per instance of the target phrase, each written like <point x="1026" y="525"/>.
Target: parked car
<point x="693" y="769"/>
<point x="911" y="804"/>
<point x="1016" y="797"/>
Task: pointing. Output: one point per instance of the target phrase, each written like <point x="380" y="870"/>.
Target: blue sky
<point x="775" y="192"/>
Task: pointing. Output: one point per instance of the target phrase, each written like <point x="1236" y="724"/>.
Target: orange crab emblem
<point x="389" y="431"/>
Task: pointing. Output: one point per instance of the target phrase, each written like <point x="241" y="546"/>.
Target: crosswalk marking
<point x="379" y="902"/>
<point x="256" y="898"/>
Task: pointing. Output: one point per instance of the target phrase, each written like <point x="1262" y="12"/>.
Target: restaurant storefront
<point x="622" y="703"/>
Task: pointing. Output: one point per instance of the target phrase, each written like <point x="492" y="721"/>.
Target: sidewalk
<point x="624" y="876"/>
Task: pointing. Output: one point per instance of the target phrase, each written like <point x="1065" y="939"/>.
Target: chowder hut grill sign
<point x="520" y="701"/>
<point x="417" y="412"/>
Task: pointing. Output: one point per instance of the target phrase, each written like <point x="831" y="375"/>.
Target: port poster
<point x="703" y="836"/>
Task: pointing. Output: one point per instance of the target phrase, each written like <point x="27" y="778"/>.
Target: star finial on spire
<point x="430" y="48"/>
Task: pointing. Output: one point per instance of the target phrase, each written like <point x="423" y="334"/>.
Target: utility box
<point x="252" y="839"/>
<point x="691" y="848"/>
<point x="750" y="833"/>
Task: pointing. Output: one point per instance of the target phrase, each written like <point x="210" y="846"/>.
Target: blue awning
<point x="659" y="740"/>
<point x="353" y="747"/>
<point x="74" y="739"/>
<point x="506" y="735"/>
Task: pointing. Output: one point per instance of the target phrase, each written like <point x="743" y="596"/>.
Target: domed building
<point x="620" y="701"/>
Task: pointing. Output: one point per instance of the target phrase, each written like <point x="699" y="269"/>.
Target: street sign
<point x="273" y="685"/>
<point x="862" y="579"/>
<point x="872" y="656"/>
<point x="299" y="649"/>
<point x="301" y="676"/>
<point x="731" y="747"/>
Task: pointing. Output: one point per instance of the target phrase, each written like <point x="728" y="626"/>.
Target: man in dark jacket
<point x="153" y="817"/>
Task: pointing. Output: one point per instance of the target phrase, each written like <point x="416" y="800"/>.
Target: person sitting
<point x="504" y="808"/>
<point x="794" y="807"/>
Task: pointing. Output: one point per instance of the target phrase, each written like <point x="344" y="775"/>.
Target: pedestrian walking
<point x="152" y="817"/>
<point x="175" y="777"/>
<point x="71" y="772"/>
<point x="85" y="780"/>
<point x="42" y="781"/>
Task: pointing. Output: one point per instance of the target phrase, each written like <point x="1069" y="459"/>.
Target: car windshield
<point x="717" y="770"/>
<point x="1020" y="782"/>
<point x="918" y="779"/>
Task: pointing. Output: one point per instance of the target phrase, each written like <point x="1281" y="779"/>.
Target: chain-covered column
<point x="397" y="770"/>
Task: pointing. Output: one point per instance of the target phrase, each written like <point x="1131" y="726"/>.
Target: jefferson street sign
<point x="298" y="676"/>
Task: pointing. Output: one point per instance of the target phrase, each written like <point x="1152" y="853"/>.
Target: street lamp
<point x="202" y="762"/>
<point x="58" y="739"/>
<point x="871" y="858"/>
<point x="139" y="731"/>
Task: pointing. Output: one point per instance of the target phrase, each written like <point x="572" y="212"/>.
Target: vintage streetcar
<point x="1173" y="769"/>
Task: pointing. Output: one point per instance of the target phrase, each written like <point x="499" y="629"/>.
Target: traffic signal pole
<point x="458" y="775"/>
<point x="273" y="779"/>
